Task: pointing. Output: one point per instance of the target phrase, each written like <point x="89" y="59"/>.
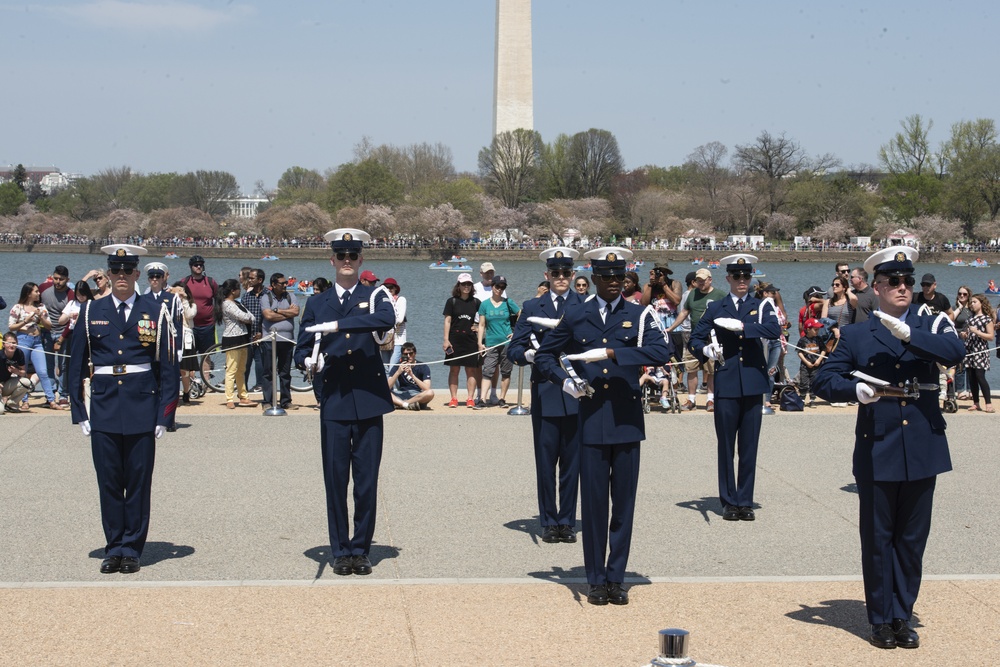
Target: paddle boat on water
<point x="714" y="264"/>
<point x="303" y="287"/>
<point x="440" y="265"/>
<point x="269" y="258"/>
<point x="697" y="261"/>
<point x="458" y="268"/>
<point x="980" y="263"/>
<point x="991" y="288"/>
<point x="582" y="267"/>
<point x="757" y="273"/>
<point x="171" y="255"/>
<point x="957" y="262"/>
<point x="456" y="258"/>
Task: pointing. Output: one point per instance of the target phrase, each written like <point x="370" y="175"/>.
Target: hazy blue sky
<point x="255" y="87"/>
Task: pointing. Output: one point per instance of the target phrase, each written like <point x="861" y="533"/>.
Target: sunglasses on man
<point x="613" y="278"/>
<point x="120" y="269"/>
<point x="561" y="273"/>
<point x="741" y="276"/>
<point x="353" y="256"/>
<point x="893" y="281"/>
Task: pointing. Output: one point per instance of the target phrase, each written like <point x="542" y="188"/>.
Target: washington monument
<point x="512" y="104"/>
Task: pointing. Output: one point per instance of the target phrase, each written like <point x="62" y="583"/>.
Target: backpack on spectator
<point x="790" y="400"/>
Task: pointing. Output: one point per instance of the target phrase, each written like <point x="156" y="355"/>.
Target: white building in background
<point x="245" y="207"/>
<point x="513" y="105"/>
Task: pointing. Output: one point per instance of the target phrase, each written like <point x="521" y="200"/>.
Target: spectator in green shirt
<point x="495" y="331"/>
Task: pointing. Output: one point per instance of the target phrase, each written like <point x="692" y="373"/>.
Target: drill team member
<point x="553" y="413"/>
<point x="123" y="348"/>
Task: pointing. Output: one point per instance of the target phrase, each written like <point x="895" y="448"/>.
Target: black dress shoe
<point x="567" y="534"/>
<point x="111" y="564"/>
<point x="906" y="636"/>
<point x="550" y="534"/>
<point x="130" y="565"/>
<point x="746" y="514"/>
<point x="362" y="565"/>
<point x="343" y="565"/>
<point x="731" y="513"/>
<point x="882" y="636"/>
<point x="617" y="594"/>
<point x="598" y="594"/>
<point x="172" y="428"/>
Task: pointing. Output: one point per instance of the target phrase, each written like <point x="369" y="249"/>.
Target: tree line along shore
<point x="474" y="257"/>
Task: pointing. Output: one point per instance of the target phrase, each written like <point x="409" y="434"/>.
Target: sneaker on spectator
<point x="470" y="403"/>
<point x="480" y="404"/>
<point x="453" y="403"/>
<point x="688" y="406"/>
<point x="664" y="403"/>
<point x="501" y="403"/>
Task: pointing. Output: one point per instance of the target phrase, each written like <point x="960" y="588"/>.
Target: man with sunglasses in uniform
<point x="120" y="345"/>
<point x="900" y="445"/>
<point x="554" y="422"/>
<point x="731" y="333"/>
<point x="354" y="395"/>
<point x="596" y="353"/>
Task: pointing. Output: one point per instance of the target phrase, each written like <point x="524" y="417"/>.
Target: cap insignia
<point x="120" y="252"/>
<point x="612" y="257"/>
<point x="900" y="257"/>
<point x="559" y="254"/>
<point x="347" y="237"/>
<point x="741" y="260"/>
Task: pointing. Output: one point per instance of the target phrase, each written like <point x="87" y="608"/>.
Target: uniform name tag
<point x="753" y="312"/>
<point x="626" y="325"/>
<point x="99" y="322"/>
<point x="363" y="304"/>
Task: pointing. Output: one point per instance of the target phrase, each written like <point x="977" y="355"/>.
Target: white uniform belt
<point x="121" y="369"/>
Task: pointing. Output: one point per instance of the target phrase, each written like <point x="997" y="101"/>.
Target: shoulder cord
<point x="90" y="352"/>
<point x="165" y="314"/>
<point x="371" y="309"/>
<point x="649" y="310"/>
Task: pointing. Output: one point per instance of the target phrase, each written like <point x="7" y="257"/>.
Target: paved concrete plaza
<point x="237" y="567"/>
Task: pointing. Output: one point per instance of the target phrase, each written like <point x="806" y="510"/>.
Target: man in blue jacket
<point x="553" y="412"/>
<point x="336" y="344"/>
<point x="606" y="341"/>
<point x="121" y="344"/>
<point x="900" y="445"/>
<point x="731" y="332"/>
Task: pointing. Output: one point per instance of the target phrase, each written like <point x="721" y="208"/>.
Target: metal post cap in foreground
<point x="674" y="643"/>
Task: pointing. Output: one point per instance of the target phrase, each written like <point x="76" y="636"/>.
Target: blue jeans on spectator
<point x="32" y="347"/>
<point x="773" y="355"/>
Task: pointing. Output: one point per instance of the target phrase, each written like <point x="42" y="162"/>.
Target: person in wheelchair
<point x="655" y="381"/>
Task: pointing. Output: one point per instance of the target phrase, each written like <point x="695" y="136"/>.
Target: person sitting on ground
<point x="14" y="383"/>
<point x="811" y="355"/>
<point x="410" y="381"/>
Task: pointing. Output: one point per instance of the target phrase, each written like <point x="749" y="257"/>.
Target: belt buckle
<point x="118" y="369"/>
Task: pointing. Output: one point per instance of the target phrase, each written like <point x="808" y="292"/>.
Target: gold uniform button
<point x="583" y="340"/>
<point x="351" y="367"/>
<point x="349" y="351"/>
<point x="120" y="352"/>
<point x="121" y="336"/>
<point x="902" y="404"/>
<point x="604" y="340"/>
<point x="605" y="371"/>
<point x="906" y="422"/>
<point x="347" y="335"/>
<point x="897" y="366"/>
<point x="900" y="384"/>
<point x="119" y="382"/>
<point x="605" y="386"/>
<point x="741" y="358"/>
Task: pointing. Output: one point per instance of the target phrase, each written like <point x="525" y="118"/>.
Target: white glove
<point x="570" y="388"/>
<point x="324" y="327"/>
<point x="896" y="326"/>
<point x="713" y="351"/>
<point x="85" y="426"/>
<point x="159" y="431"/>
<point x="598" y="354"/>
<point x="315" y="367"/>
<point x="529" y="356"/>
<point x="730" y="323"/>
<point x="547" y="322"/>
<point x="865" y="393"/>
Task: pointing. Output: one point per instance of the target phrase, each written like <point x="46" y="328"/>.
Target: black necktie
<point x="559" y="304"/>
<point x="346" y="297"/>
<point x="739" y="306"/>
<point x="121" y="312"/>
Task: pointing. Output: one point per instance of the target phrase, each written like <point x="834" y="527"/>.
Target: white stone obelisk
<point x="512" y="96"/>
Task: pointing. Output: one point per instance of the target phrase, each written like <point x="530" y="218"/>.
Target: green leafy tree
<point x="299" y="185"/>
<point x="973" y="188"/>
<point x="556" y="177"/>
<point x="909" y="150"/>
<point x="20" y="176"/>
<point x="148" y="192"/>
<point x="462" y="193"/>
<point x="362" y="184"/>
<point x="908" y="194"/>
<point x="595" y="161"/>
<point x="11" y="198"/>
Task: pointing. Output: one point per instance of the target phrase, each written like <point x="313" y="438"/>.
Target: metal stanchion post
<point x="275" y="410"/>
<point x="519" y="409"/>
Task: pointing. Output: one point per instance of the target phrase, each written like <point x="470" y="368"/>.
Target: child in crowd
<point x="812" y="355"/>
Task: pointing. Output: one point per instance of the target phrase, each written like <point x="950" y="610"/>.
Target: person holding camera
<point x="409" y="381"/>
<point x="664" y="294"/>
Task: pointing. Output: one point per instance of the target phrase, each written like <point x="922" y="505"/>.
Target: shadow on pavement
<point x="850" y="488"/>
<point x="154" y="552"/>
<point x="532" y="528"/>
<point x="847" y="615"/>
<point x="324" y="555"/>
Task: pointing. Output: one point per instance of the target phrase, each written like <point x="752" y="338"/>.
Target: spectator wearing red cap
<point x="811" y="355"/>
<point x="368" y="279"/>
